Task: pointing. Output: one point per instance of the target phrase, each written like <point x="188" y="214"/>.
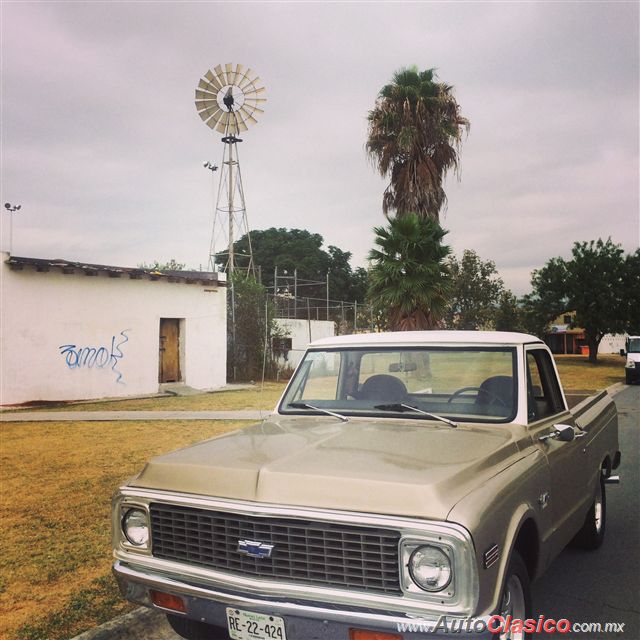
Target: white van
<point x="632" y="366"/>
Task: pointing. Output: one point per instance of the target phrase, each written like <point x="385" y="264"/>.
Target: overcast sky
<point x="103" y="148"/>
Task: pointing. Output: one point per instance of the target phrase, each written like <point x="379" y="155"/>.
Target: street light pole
<point x="11" y="209"/>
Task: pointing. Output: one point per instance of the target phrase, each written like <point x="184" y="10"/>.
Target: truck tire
<point x="194" y="630"/>
<point x="591" y="535"/>
<point x="516" y="597"/>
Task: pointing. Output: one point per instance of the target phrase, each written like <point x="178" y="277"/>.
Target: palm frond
<point x="408" y="276"/>
<point x="414" y="138"/>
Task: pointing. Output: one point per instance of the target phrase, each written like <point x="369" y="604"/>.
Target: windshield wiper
<point x="402" y="407"/>
<point x="304" y="405"/>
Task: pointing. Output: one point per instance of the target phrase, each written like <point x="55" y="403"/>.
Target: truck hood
<point x="402" y="467"/>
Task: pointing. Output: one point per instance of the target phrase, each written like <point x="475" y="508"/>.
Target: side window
<point x="543" y="396"/>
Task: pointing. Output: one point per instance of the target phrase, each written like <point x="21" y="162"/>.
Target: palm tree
<point x="408" y="278"/>
<point x="415" y="132"/>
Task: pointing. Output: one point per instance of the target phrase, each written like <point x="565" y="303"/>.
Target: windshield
<point x="634" y="345"/>
<point x="473" y="384"/>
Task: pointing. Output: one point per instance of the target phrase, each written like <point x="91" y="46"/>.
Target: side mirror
<point x="623" y="353"/>
<point x="562" y="432"/>
<point x="565" y="432"/>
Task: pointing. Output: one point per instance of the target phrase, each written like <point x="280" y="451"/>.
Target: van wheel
<point x="516" y="598"/>
<point x="195" y="630"/>
<point x="591" y="535"/>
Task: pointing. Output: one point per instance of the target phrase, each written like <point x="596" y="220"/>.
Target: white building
<point x="300" y="333"/>
<point x="612" y="343"/>
<point x="74" y="331"/>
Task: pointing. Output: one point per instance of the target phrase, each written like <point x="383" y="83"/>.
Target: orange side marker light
<point x="362" y="634"/>
<point x="168" y="601"/>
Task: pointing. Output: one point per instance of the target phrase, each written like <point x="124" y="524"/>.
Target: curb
<point x="139" y="624"/>
<point x="616" y="388"/>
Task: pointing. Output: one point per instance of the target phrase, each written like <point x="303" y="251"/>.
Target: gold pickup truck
<point x="405" y="483"/>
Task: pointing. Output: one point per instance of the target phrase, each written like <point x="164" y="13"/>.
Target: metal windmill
<point x="227" y="100"/>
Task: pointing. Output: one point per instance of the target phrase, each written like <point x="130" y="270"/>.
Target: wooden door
<point x="169" y="350"/>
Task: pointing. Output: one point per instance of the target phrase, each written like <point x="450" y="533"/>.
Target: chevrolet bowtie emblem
<point x="255" y="549"/>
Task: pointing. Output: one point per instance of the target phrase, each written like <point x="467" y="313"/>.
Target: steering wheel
<point x="493" y="397"/>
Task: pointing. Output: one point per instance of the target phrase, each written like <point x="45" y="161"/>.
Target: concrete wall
<point x="47" y="318"/>
<point x="302" y="332"/>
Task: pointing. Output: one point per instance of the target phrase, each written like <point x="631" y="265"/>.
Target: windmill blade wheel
<point x="228" y="97"/>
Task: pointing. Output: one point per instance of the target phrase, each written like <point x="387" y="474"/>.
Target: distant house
<point x="564" y="339"/>
<point x="73" y="330"/>
<point x="561" y="338"/>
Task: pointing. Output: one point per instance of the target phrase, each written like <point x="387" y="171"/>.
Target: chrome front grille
<point x="321" y="553"/>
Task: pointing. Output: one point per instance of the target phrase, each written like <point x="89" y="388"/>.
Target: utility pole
<point x="11" y="209"/>
<point x="327" y="295"/>
<point x="295" y="293"/>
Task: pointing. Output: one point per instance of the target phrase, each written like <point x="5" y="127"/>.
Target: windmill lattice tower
<point x="228" y="100"/>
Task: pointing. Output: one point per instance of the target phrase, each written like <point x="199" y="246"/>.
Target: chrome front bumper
<point x="303" y="621"/>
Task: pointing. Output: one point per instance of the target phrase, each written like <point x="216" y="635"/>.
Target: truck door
<point x="567" y="495"/>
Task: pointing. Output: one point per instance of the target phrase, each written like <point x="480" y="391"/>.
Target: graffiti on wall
<point x="101" y="357"/>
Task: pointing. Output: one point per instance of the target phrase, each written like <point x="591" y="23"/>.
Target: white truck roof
<point x="419" y="338"/>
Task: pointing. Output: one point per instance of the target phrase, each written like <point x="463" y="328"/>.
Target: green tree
<point x="631" y="295"/>
<point x="414" y="137"/>
<point x="409" y="280"/>
<point x="290" y="249"/>
<point x="286" y="249"/>
<point x="547" y="299"/>
<point x="597" y="283"/>
<point x="156" y="265"/>
<point x="509" y="314"/>
<point x="476" y="291"/>
<point x="347" y="284"/>
<point x="251" y="327"/>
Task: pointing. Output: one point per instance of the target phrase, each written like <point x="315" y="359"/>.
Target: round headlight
<point x="430" y="568"/>
<point x="136" y="527"/>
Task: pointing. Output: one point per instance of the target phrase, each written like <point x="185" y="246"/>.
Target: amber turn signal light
<point x="362" y="634"/>
<point x="168" y="601"/>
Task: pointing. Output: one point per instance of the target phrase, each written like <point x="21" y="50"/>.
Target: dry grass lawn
<point x="57" y="479"/>
<point x="577" y="374"/>
<point x="236" y="400"/>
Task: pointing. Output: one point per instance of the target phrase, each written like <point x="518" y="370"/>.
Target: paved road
<point x="603" y="585"/>
<point x="600" y="586"/>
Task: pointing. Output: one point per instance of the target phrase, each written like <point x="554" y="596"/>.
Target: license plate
<point x="246" y="625"/>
